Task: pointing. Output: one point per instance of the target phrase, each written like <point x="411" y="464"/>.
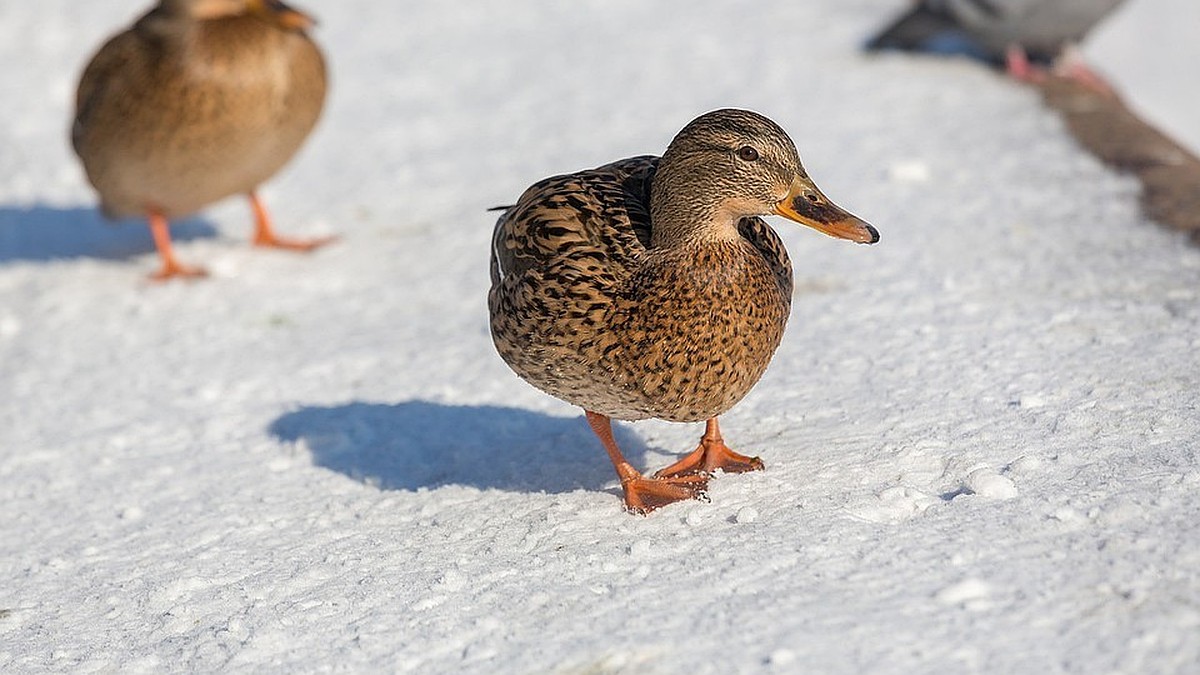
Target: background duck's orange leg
<point x="264" y="231"/>
<point x="643" y="495"/>
<point x="710" y="455"/>
<point x="160" y="229"/>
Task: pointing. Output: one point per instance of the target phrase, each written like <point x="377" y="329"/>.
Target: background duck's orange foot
<point x="289" y="244"/>
<point x="264" y="231"/>
<point x="643" y="495"/>
<point x="175" y="270"/>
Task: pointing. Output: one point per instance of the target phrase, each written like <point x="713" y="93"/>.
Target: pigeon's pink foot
<point x="1020" y="68"/>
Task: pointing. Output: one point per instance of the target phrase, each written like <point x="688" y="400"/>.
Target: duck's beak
<point x="282" y="14"/>
<point x="806" y="205"/>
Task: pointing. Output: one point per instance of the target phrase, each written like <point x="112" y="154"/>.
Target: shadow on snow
<point x="416" y="444"/>
<point x="44" y="233"/>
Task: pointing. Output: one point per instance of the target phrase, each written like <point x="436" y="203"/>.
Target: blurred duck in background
<point x="197" y="101"/>
<point x="1024" y="35"/>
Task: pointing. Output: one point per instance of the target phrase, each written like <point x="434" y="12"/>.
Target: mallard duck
<point x="1022" y="34"/>
<point x="197" y="101"/>
<point x="649" y="287"/>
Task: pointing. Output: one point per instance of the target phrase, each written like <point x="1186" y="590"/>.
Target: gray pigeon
<point x="994" y="30"/>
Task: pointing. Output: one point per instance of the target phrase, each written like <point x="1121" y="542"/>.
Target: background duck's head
<point x="731" y="164"/>
<point x="273" y="11"/>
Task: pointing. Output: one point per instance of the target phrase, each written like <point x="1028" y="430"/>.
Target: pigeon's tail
<point x="913" y="31"/>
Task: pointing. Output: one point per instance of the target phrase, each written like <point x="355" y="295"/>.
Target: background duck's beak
<point x="283" y="14"/>
<point x="806" y="205"/>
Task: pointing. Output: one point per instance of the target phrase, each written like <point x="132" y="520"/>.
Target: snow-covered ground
<point x="981" y="435"/>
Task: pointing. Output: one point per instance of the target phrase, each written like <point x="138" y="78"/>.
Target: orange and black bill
<point x="806" y="205"/>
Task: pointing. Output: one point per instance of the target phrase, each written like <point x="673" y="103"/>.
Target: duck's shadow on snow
<point x="418" y="444"/>
<point x="43" y="233"/>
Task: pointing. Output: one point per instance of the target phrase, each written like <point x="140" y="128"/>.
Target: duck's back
<point x="585" y="309"/>
<point x="176" y="121"/>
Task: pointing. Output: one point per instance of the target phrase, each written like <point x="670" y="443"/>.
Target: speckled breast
<point x="684" y="341"/>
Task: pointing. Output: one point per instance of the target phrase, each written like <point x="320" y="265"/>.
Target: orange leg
<point x="710" y="455"/>
<point x="264" y="231"/>
<point x="171" y="267"/>
<point x="643" y="495"/>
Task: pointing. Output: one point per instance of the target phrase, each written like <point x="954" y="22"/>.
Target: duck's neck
<point x="686" y="209"/>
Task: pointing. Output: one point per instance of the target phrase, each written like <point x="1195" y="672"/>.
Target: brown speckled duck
<point x="650" y="288"/>
<point x="199" y="100"/>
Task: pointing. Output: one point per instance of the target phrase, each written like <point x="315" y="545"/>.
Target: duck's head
<point x="731" y="164"/>
<point x="274" y="11"/>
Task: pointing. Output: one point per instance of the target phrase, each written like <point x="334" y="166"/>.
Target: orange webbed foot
<point x="171" y="267"/>
<point x="731" y="462"/>
<point x="176" y="270"/>
<point x="271" y="240"/>
<point x="712" y="454"/>
<point x="264" y="231"/>
<point x="643" y="495"/>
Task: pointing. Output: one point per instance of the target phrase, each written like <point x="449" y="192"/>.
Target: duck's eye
<point x="747" y="154"/>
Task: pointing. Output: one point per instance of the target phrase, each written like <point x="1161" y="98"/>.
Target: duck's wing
<point x="102" y="79"/>
<point x="770" y="246"/>
<point x="121" y="62"/>
<point x="591" y="224"/>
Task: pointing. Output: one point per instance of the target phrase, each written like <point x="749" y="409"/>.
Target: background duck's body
<point x="192" y="105"/>
<point x="649" y="288"/>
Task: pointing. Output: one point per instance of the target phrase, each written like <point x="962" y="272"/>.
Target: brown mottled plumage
<point x="197" y="101"/>
<point x="649" y="288"/>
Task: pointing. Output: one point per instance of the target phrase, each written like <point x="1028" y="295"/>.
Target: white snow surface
<point x="981" y="435"/>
